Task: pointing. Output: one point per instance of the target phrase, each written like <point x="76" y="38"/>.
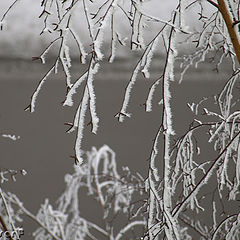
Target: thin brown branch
<point x="229" y="23"/>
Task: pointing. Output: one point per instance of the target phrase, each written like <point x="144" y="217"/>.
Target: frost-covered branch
<point x="177" y="172"/>
<point x="6" y="13"/>
<point x="204" y="179"/>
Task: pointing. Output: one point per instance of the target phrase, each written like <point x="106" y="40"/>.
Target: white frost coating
<point x="205" y="179"/>
<point x="47" y="7"/>
<point x="46" y="30"/>
<point x="168" y="77"/>
<point x="76" y="120"/>
<point x="221" y="126"/>
<point x="209" y="113"/>
<point x="95" y="120"/>
<point x="129" y="227"/>
<point x="114" y="48"/>
<point x="181" y="159"/>
<point x="137" y="29"/>
<point x="160" y="102"/>
<point x="12" y="137"/>
<point x="122" y="40"/>
<point x="168" y="111"/>
<point x="69" y="101"/>
<point x="182" y="12"/>
<point x="65" y="59"/>
<point x="234" y="231"/>
<point x="151" y="213"/>
<point x="150" y="96"/>
<point x="172" y="226"/>
<point x="2" y="20"/>
<point x="67" y="55"/>
<point x="214" y="215"/>
<point x="100" y="34"/>
<point x="80" y="46"/>
<point x="230" y="5"/>
<point x="89" y="19"/>
<point x="65" y="16"/>
<point x="42" y="56"/>
<point x="155" y="19"/>
<point x="97" y="46"/>
<point x="235" y="190"/>
<point x="36" y="92"/>
<point x="3" y="24"/>
<point x="225" y="97"/>
<point x="123" y="112"/>
<point x="81" y="121"/>
<point x="144" y="62"/>
<point x="59" y="8"/>
<point x="113" y="43"/>
<point x="56" y="66"/>
<point x="103" y="154"/>
<point x="153" y="164"/>
<point x="147" y="59"/>
<point x="202" y="41"/>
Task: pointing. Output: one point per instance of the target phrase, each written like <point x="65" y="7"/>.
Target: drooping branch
<point x="204" y="179"/>
<point x="5" y="14"/>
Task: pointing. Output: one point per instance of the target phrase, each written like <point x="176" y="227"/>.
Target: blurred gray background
<point x="44" y="147"/>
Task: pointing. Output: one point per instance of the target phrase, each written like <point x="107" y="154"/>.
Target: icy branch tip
<point x="12" y="137"/>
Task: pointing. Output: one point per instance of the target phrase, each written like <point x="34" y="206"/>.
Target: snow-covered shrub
<point x="122" y="200"/>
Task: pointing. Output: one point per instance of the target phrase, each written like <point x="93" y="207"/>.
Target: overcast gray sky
<point x="21" y="33"/>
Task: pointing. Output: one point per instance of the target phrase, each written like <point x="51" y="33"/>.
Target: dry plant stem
<point x="229" y="23"/>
